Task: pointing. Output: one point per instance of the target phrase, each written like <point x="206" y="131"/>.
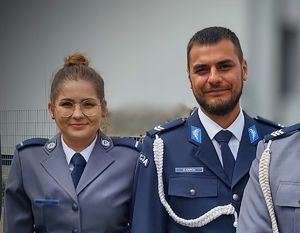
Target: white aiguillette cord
<point x="264" y="181"/>
<point x="158" y="149"/>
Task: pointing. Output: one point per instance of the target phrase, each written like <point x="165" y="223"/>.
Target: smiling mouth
<point x="216" y="91"/>
<point x="78" y="125"/>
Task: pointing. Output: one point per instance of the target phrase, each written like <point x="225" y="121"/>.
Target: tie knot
<point x="78" y="160"/>
<point x="223" y="136"/>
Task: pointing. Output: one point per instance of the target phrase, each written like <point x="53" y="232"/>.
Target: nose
<point x="214" y="76"/>
<point x="77" y="111"/>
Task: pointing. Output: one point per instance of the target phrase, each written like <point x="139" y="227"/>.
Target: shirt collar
<point x="69" y="152"/>
<point x="212" y="128"/>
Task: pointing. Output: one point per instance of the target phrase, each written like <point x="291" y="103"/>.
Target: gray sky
<point x="138" y="46"/>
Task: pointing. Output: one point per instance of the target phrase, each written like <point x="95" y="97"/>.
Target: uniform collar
<point x="212" y="128"/>
<point x="69" y="152"/>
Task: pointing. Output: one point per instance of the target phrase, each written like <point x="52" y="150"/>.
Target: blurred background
<point x="139" y="47"/>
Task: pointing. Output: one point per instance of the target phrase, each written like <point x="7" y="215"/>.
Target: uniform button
<point x="74" y="207"/>
<point x="75" y="230"/>
<point x="192" y="192"/>
<point x="235" y="197"/>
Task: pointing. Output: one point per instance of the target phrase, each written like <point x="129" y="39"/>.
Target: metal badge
<point x="189" y="169"/>
<point x="105" y="143"/>
<point x="51" y="146"/>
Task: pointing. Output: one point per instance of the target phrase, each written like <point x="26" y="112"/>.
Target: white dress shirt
<point x="212" y="128"/>
<point x="69" y="152"/>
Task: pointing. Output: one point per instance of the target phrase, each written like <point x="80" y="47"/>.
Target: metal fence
<point x="18" y="125"/>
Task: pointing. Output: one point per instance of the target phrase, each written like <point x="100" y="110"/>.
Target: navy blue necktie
<point x="79" y="164"/>
<point x="223" y="138"/>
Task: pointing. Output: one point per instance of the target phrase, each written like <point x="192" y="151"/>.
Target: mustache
<point x="216" y="88"/>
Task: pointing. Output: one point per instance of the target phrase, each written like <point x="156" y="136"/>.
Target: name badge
<point x="50" y="202"/>
<point x="188" y="169"/>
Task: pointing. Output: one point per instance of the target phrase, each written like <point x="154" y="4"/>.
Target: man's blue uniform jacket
<point x="194" y="179"/>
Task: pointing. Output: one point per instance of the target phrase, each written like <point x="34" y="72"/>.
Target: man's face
<point x="216" y="77"/>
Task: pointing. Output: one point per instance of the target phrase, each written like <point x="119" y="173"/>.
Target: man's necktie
<point x="79" y="164"/>
<point x="223" y="138"/>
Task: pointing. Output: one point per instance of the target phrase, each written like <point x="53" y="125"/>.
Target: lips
<point x="78" y="125"/>
<point x="218" y="91"/>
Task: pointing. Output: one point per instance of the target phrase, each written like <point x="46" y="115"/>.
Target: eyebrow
<point x="71" y="100"/>
<point x="225" y="62"/>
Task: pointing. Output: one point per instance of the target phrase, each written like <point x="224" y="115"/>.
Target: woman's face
<point x="77" y="111"/>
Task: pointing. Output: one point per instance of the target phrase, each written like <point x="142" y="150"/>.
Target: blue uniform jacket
<point x="191" y="192"/>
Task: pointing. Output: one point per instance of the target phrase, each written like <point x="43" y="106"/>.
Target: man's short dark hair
<point x="213" y="35"/>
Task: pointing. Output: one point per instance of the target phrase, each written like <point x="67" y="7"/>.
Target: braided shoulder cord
<point x="264" y="180"/>
<point x="158" y="149"/>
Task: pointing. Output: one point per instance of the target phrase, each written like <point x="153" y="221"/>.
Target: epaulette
<point x="282" y="133"/>
<point x="128" y="142"/>
<point x="32" y="142"/>
<point x="165" y="127"/>
<point x="268" y="122"/>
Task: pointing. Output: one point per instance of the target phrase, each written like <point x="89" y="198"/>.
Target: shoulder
<point x="268" y="123"/>
<point x="166" y="127"/>
<point x="32" y="142"/>
<point x="282" y="133"/>
<point x="127" y="142"/>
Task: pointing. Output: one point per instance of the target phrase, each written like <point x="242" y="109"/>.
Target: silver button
<point x="74" y="207"/>
<point x="192" y="192"/>
<point x="75" y="230"/>
<point x="235" y="197"/>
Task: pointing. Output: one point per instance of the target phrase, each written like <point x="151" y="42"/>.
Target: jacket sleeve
<point x="254" y="215"/>
<point x="148" y="214"/>
<point x="18" y="215"/>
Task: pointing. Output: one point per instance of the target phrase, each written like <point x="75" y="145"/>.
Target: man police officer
<point x="187" y="166"/>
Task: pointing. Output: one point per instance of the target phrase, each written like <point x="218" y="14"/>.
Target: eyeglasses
<point x="66" y="108"/>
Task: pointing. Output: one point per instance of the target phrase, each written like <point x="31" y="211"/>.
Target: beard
<point x="220" y="107"/>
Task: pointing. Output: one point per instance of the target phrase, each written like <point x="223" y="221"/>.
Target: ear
<point x="51" y="110"/>
<point x="244" y="70"/>
<point x="104" y="108"/>
<point x="189" y="77"/>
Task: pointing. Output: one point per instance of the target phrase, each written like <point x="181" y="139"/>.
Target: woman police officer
<point x="79" y="180"/>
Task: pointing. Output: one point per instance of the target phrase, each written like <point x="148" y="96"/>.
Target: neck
<point x="226" y="120"/>
<point x="78" y="145"/>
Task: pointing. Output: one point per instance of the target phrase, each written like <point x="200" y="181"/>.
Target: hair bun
<point x="76" y="59"/>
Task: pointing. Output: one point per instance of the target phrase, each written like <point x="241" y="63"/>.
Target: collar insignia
<point x="105" y="143"/>
<point x="196" y="134"/>
<point x="50" y="146"/>
<point x="253" y="134"/>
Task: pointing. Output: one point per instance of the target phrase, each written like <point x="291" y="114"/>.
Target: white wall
<point x="139" y="47"/>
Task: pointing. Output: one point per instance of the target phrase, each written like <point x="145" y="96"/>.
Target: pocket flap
<point x="288" y="194"/>
<point x="193" y="187"/>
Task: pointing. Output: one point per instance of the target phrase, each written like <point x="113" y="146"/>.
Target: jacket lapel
<point x="246" y="152"/>
<point x="100" y="159"/>
<point x="205" y="151"/>
<point x="57" y="167"/>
